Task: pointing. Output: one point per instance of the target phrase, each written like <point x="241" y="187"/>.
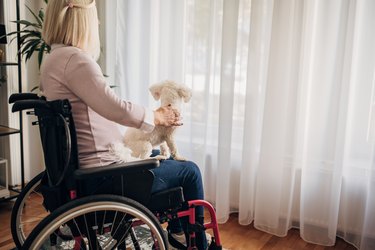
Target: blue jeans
<point x="187" y="175"/>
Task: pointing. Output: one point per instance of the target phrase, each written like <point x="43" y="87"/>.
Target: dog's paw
<point x="179" y="158"/>
<point x="160" y="157"/>
<point x="167" y="155"/>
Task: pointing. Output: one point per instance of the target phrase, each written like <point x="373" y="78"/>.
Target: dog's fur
<point x="141" y="143"/>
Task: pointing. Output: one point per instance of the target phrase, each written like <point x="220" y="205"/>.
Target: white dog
<point x="141" y="143"/>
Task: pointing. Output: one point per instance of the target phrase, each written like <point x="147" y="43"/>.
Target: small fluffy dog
<point x="141" y="143"/>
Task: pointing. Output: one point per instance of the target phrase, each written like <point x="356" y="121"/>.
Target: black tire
<point x="21" y="229"/>
<point x="115" y="218"/>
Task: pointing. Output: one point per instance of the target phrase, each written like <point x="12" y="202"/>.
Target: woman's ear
<point x="185" y="93"/>
<point x="156" y="91"/>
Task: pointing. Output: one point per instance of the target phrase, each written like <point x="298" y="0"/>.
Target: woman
<point x="71" y="72"/>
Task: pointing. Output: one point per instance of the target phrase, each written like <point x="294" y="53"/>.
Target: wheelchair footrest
<point x="168" y="199"/>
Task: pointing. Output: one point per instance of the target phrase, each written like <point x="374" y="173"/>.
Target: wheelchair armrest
<point x="29" y="104"/>
<point x="22" y="96"/>
<point x="116" y="169"/>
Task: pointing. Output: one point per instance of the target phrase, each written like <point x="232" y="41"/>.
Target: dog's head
<point x="169" y="92"/>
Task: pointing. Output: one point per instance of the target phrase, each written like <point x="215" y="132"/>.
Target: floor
<point x="233" y="236"/>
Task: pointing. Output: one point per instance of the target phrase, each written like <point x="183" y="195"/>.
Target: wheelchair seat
<point x="64" y="186"/>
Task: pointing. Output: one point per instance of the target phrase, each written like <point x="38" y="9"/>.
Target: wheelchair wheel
<point x="99" y="222"/>
<point x="28" y="211"/>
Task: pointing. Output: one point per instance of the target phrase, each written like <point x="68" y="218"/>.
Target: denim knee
<point x="185" y="174"/>
<point x="192" y="181"/>
<point x="192" y="171"/>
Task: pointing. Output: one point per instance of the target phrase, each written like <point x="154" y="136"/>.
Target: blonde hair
<point x="73" y="23"/>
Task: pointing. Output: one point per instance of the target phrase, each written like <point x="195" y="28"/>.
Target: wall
<point x="106" y="10"/>
<point x="33" y="154"/>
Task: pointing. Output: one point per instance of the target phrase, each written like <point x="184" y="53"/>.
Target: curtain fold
<point x="226" y="104"/>
<point x="282" y="119"/>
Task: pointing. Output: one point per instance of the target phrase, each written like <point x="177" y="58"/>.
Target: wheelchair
<point x="129" y="217"/>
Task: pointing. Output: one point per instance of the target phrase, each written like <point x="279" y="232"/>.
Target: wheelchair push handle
<point x="22" y="96"/>
<point x="24" y="101"/>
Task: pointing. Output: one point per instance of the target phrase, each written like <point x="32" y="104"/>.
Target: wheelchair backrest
<point x="57" y="134"/>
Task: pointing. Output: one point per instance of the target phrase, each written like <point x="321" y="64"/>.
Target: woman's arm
<point x="85" y="79"/>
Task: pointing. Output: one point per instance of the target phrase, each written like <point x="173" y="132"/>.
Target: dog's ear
<point x="184" y="92"/>
<point x="156" y="91"/>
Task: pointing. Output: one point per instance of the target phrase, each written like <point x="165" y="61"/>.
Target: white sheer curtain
<point x="281" y="121"/>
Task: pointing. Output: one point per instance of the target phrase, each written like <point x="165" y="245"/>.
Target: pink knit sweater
<point x="69" y="73"/>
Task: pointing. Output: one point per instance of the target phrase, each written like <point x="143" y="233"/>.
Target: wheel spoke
<point x="87" y="231"/>
<point x="123" y="238"/>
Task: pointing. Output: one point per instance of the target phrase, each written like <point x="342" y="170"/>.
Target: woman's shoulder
<point x="74" y="58"/>
<point x="69" y="52"/>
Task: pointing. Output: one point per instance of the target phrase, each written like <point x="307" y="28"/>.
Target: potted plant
<point x="31" y="40"/>
<point x="31" y="36"/>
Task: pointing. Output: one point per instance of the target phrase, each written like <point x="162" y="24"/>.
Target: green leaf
<point x="24" y="37"/>
<point x="34" y="88"/>
<point x="27" y="23"/>
<point x="31" y="50"/>
<point x="24" y="34"/>
<point x="14" y="38"/>
<point x="48" y="48"/>
<point x="41" y="14"/>
<point x="30" y="47"/>
<point x="16" y="32"/>
<point x="36" y="17"/>
<point x="41" y="54"/>
<point x="34" y="33"/>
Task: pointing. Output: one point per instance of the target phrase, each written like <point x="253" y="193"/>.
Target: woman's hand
<point x="167" y="116"/>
